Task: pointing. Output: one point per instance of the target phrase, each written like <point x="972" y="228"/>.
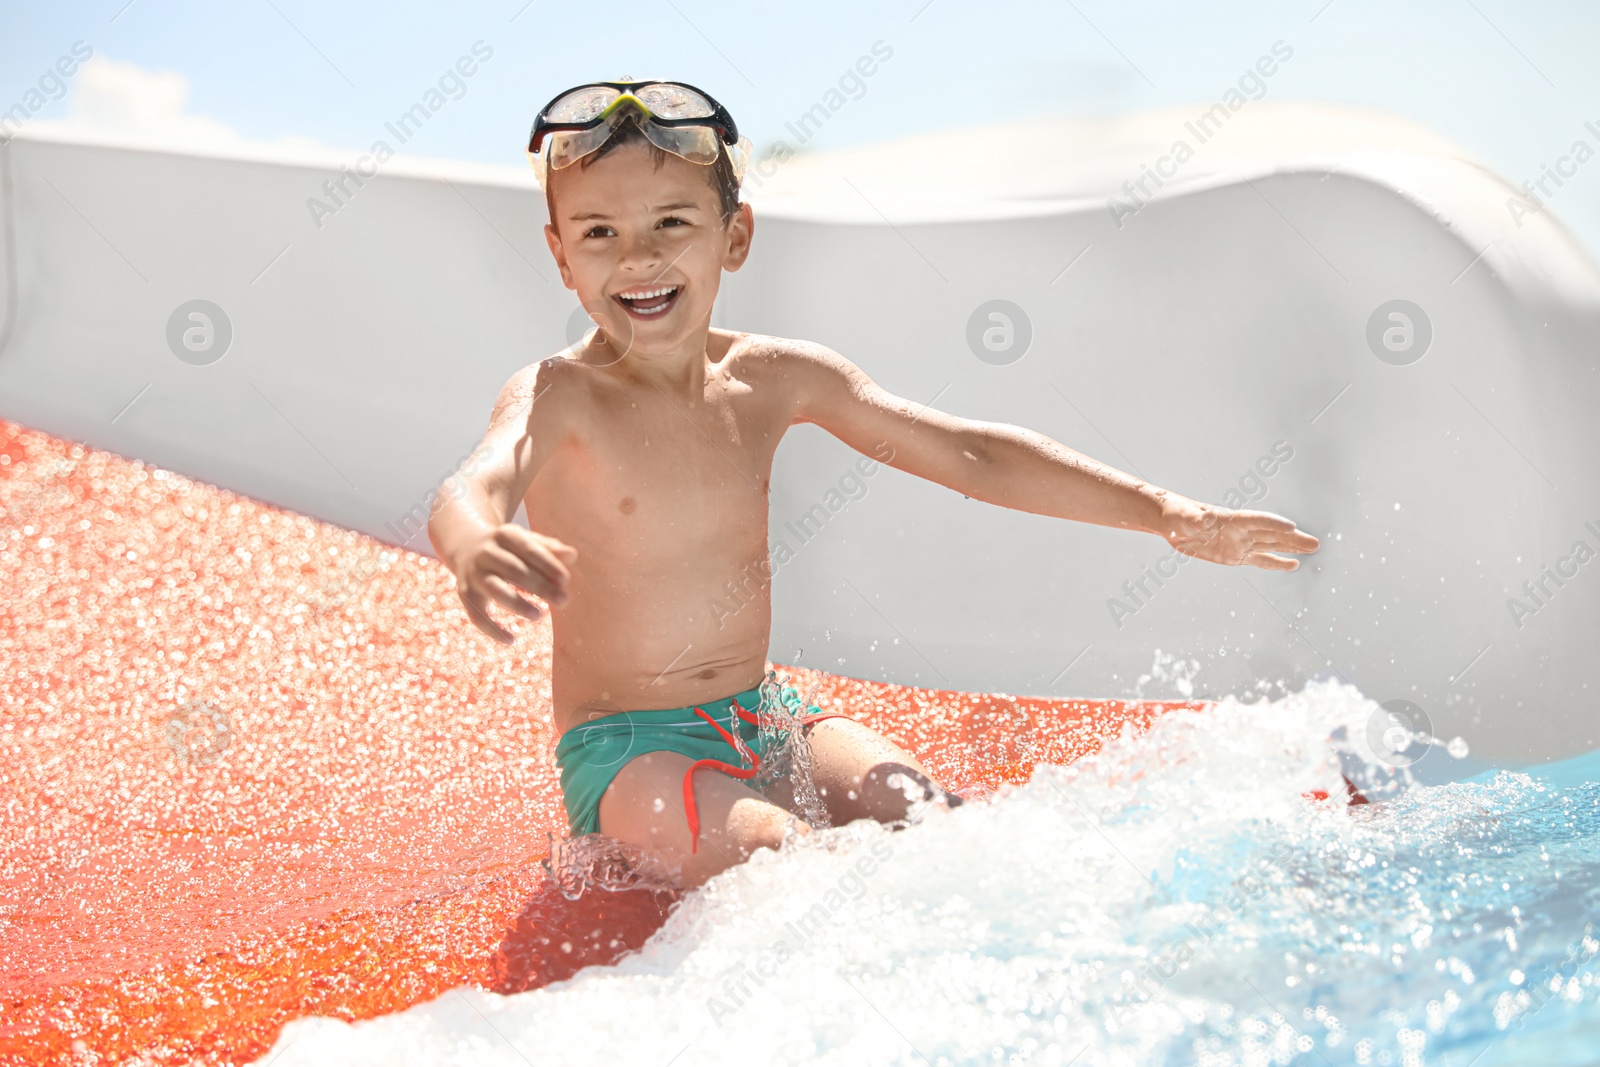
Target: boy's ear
<point x="553" y="239"/>
<point x="741" y="231"/>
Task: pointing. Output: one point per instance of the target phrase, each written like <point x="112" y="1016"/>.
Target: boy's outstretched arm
<point x="1020" y="469"/>
<point x="492" y="557"/>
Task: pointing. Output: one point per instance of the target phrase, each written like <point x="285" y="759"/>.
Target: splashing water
<point x="788" y="751"/>
<point x="1169" y="670"/>
<point x="1174" y="899"/>
<point x="596" y="863"/>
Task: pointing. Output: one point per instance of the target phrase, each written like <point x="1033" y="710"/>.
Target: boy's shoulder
<point x="787" y="356"/>
<point x="517" y="396"/>
<point x="564" y="370"/>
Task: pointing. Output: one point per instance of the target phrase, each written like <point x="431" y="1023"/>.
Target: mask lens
<point x="739" y="156"/>
<point x="674" y="102"/>
<point x="697" y="144"/>
<point x="566" y="147"/>
<point x="581" y="105"/>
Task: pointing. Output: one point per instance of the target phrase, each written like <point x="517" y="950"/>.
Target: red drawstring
<point x="690" y="811"/>
<point x="743" y="774"/>
<point x="1350" y="787"/>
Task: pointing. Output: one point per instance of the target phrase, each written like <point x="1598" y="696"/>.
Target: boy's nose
<point x="643" y="251"/>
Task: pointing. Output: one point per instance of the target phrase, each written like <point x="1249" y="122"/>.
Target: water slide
<point x="269" y="798"/>
<point x="1320" y="311"/>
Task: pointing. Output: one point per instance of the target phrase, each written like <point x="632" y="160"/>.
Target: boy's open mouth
<point x="646" y="302"/>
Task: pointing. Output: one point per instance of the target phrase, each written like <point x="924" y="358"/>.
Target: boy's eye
<point x="672" y="220"/>
<point x="599" y="231"/>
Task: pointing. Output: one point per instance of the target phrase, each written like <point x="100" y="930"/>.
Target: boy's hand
<point x="503" y="560"/>
<point x="1222" y="535"/>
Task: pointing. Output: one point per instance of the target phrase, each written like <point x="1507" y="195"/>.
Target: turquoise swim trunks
<point x="723" y="735"/>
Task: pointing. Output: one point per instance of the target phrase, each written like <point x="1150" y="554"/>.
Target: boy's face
<point x="645" y="247"/>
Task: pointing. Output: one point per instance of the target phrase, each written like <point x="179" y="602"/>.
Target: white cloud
<point x="112" y="96"/>
<point x="128" y="103"/>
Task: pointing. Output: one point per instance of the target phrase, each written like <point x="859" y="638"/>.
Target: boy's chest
<point x="662" y="462"/>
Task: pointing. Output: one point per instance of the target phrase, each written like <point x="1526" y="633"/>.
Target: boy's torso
<point x="663" y="492"/>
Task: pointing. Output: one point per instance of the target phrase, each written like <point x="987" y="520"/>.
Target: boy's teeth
<point x="649" y="301"/>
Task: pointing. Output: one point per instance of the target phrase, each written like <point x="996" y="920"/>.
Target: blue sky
<point x="1513" y="82"/>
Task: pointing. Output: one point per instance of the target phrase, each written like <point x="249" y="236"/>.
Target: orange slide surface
<point x="256" y="767"/>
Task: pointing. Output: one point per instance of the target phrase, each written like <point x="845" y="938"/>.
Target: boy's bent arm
<point x="1027" y="471"/>
<point x="490" y="556"/>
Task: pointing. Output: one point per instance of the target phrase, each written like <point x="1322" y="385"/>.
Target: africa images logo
<point x="199" y="332"/>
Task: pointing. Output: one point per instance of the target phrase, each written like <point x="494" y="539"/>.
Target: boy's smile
<point x="648" y="301"/>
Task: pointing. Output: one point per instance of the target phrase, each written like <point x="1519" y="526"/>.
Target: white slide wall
<point x="1215" y="342"/>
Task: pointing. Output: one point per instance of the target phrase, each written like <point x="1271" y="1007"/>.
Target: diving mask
<point x="677" y="118"/>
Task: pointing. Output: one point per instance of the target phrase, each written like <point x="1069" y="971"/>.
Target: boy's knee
<point x="734" y="842"/>
<point x="762" y="825"/>
<point x="892" y="789"/>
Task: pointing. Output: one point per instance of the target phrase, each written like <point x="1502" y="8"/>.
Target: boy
<point x="643" y="456"/>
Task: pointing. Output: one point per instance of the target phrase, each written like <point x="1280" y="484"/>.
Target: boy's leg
<point x="860" y="774"/>
<point x="644" y="806"/>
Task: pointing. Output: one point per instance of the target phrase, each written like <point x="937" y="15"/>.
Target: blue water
<point x="1175" y="900"/>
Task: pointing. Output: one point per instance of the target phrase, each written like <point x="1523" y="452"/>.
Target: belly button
<point x="709" y="672"/>
<point x="627" y="505"/>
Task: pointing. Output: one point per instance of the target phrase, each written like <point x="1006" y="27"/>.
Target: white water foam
<point x="1176" y="898"/>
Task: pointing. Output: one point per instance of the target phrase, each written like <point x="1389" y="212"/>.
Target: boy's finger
<point x="539" y="575"/>
<point x="529" y="548"/>
<point x="512" y="568"/>
<point x="507" y="597"/>
<point x="1306" y="543"/>
<point x="566" y="552"/>
<point x="1265" y="526"/>
<point x="475" y="606"/>
<point x="1267" y="519"/>
<point x="1269" y="562"/>
<point x="1285" y="535"/>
